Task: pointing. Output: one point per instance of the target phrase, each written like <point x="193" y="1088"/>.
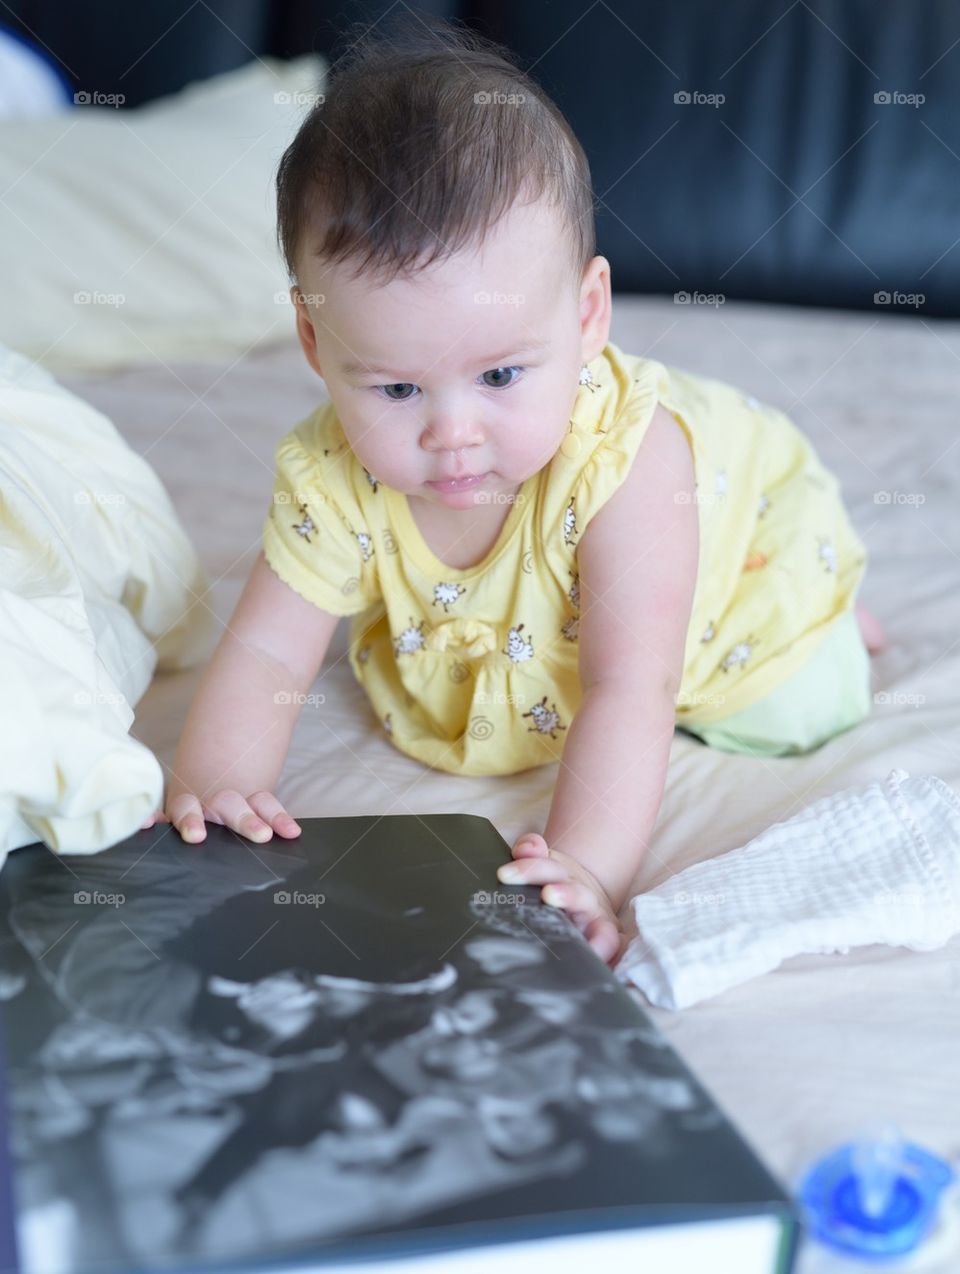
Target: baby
<point x="552" y="550"/>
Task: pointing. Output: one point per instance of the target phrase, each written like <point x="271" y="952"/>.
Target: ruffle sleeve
<point x="314" y="537"/>
<point x="610" y="434"/>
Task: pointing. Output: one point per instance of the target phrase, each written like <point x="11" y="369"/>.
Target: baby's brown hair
<point x="426" y="134"/>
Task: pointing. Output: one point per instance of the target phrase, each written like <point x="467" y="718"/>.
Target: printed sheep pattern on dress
<point x="476" y="671"/>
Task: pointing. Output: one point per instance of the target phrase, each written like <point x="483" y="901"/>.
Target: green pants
<point x="827" y="696"/>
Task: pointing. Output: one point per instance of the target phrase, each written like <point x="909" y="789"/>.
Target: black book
<point x="356" y="1050"/>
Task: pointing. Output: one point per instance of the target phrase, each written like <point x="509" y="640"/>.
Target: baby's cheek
<point x="535" y="427"/>
<point x="385" y="454"/>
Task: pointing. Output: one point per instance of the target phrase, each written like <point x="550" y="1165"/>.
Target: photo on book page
<point x="241" y="1052"/>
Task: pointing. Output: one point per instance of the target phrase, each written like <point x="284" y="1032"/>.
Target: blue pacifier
<point x="875" y="1198"/>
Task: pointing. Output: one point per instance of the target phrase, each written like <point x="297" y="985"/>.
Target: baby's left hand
<point x="570" y="886"/>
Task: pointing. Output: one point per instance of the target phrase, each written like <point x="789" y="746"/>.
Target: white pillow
<point x="135" y="236"/>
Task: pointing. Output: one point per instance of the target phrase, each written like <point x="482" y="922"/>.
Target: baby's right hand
<point x="257" y="817"/>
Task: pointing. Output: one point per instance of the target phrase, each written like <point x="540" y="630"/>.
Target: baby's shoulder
<point x="316" y="453"/>
<point x="318" y="436"/>
<point x="656" y="481"/>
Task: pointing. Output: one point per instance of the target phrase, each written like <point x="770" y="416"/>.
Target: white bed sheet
<point x="803" y="1057"/>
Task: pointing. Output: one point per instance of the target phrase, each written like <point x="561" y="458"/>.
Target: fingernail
<point x="509" y="873"/>
<point x="551" y="896"/>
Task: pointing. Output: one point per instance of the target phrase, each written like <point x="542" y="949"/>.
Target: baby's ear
<point x="305" y="330"/>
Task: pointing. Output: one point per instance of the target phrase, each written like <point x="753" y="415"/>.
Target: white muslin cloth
<point x="877" y="864"/>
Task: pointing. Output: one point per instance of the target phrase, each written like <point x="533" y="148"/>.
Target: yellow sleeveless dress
<point x="474" y="670"/>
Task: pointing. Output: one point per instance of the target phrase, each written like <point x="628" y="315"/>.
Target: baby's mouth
<point x="461" y="483"/>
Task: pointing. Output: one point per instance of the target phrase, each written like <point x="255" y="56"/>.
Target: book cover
<point x="352" y="1047"/>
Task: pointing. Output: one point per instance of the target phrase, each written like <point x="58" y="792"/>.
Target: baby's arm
<point x="638" y="569"/>
<point x="238" y="728"/>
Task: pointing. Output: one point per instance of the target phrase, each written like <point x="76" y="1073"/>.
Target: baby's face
<point x="470" y="368"/>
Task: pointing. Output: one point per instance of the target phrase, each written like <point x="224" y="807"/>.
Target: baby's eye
<point x="498" y="383"/>
<point x="499" y="371"/>
<point x="398" y="385"/>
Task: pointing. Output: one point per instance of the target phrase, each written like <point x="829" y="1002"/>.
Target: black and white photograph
<point x="223" y="1055"/>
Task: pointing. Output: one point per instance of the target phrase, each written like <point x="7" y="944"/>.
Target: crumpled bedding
<point x="100" y="587"/>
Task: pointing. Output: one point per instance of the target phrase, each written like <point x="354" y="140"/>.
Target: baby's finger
<point x="157" y="816"/>
<point x="236" y="814"/>
<point x="624" y="941"/>
<point x="576" y="898"/>
<point x="604" y="936"/>
<point x="186" y="814"/>
<point x="531" y="845"/>
<point x="532" y="871"/>
<point x="272" y="812"/>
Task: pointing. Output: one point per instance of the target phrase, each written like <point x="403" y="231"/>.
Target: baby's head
<point x="435" y="212"/>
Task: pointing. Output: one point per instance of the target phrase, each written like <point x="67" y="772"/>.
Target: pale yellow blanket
<point x="99" y="587"/>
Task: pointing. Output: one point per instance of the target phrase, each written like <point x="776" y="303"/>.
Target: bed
<point x="801" y="1058"/>
<point x="812" y="1053"/>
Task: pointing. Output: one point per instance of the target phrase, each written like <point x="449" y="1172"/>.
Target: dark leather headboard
<point x="800" y="186"/>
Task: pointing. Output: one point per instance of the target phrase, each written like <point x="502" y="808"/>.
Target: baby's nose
<point x="448" y="433"/>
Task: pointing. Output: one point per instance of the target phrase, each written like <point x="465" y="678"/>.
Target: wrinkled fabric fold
<point x="878" y="864"/>
<point x="99" y="587"/>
